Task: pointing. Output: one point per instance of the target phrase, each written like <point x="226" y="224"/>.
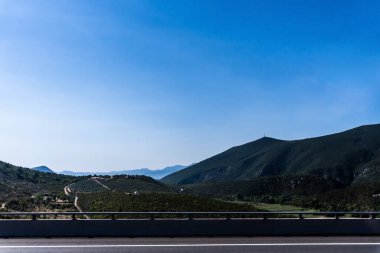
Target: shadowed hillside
<point x="348" y="158"/>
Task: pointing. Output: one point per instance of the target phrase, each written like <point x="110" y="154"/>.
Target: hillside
<point x="350" y="157"/>
<point x="23" y="189"/>
<point x="258" y="188"/>
<point x="122" y="183"/>
<point x="19" y="181"/>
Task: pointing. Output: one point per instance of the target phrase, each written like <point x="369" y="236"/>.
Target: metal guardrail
<point x="189" y="215"/>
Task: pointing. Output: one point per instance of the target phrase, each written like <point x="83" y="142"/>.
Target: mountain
<point x="347" y="158"/>
<point x="156" y="174"/>
<point x="43" y="169"/>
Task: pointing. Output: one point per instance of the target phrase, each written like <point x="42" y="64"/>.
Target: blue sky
<point x="105" y="85"/>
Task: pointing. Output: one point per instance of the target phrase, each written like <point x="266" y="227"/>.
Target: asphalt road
<point x="182" y="245"/>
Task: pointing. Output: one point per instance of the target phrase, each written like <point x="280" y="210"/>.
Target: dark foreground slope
<point x="154" y="201"/>
<point x="346" y="158"/>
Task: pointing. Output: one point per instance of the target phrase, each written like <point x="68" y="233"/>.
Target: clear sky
<point x="105" y="85"/>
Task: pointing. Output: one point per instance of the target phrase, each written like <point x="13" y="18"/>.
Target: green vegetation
<point x="41" y="202"/>
<point x="20" y="188"/>
<point x="304" y="191"/>
<point x="88" y="185"/>
<point x="129" y="183"/>
<point x="363" y="197"/>
<point x="120" y="201"/>
<point x="265" y="187"/>
<point x="330" y="173"/>
<point x="281" y="208"/>
<point x="125" y="183"/>
<point x="348" y="158"/>
<point x="18" y="180"/>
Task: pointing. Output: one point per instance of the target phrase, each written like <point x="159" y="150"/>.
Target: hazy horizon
<point x="102" y="86"/>
<point x="107" y="170"/>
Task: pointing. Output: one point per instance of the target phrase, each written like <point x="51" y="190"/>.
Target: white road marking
<point x="193" y="245"/>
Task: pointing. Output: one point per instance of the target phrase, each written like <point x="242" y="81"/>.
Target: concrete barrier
<point x="169" y="228"/>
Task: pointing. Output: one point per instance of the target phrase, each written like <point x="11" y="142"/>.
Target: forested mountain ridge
<point x="349" y="158"/>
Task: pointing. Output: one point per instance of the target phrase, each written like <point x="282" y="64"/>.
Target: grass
<point x="158" y="202"/>
<point x="281" y="208"/>
<point x="285" y="208"/>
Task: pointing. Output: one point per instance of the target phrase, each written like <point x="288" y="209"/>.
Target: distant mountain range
<point x="348" y="158"/>
<point x="156" y="174"/>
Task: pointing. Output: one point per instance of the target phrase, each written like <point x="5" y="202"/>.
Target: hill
<point x="23" y="189"/>
<point x="22" y="181"/>
<point x="348" y="158"/>
<point x="43" y="169"/>
<point x="124" y="183"/>
<point x="156" y="174"/>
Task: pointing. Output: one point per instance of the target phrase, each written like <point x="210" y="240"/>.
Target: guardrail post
<point x="34" y="217"/>
<point x="190" y="217"/>
<point x="73" y="217"/>
<point x="151" y="216"/>
<point x="113" y="217"/>
<point x="228" y="216"/>
<point x="373" y="216"/>
<point x="300" y="216"/>
<point x="337" y="216"/>
<point x="265" y="216"/>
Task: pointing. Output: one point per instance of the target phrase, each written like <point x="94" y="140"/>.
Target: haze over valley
<point x="156" y="174"/>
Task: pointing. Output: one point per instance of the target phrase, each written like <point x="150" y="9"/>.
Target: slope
<point x="122" y="183"/>
<point x="349" y="157"/>
<point x="23" y="189"/>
